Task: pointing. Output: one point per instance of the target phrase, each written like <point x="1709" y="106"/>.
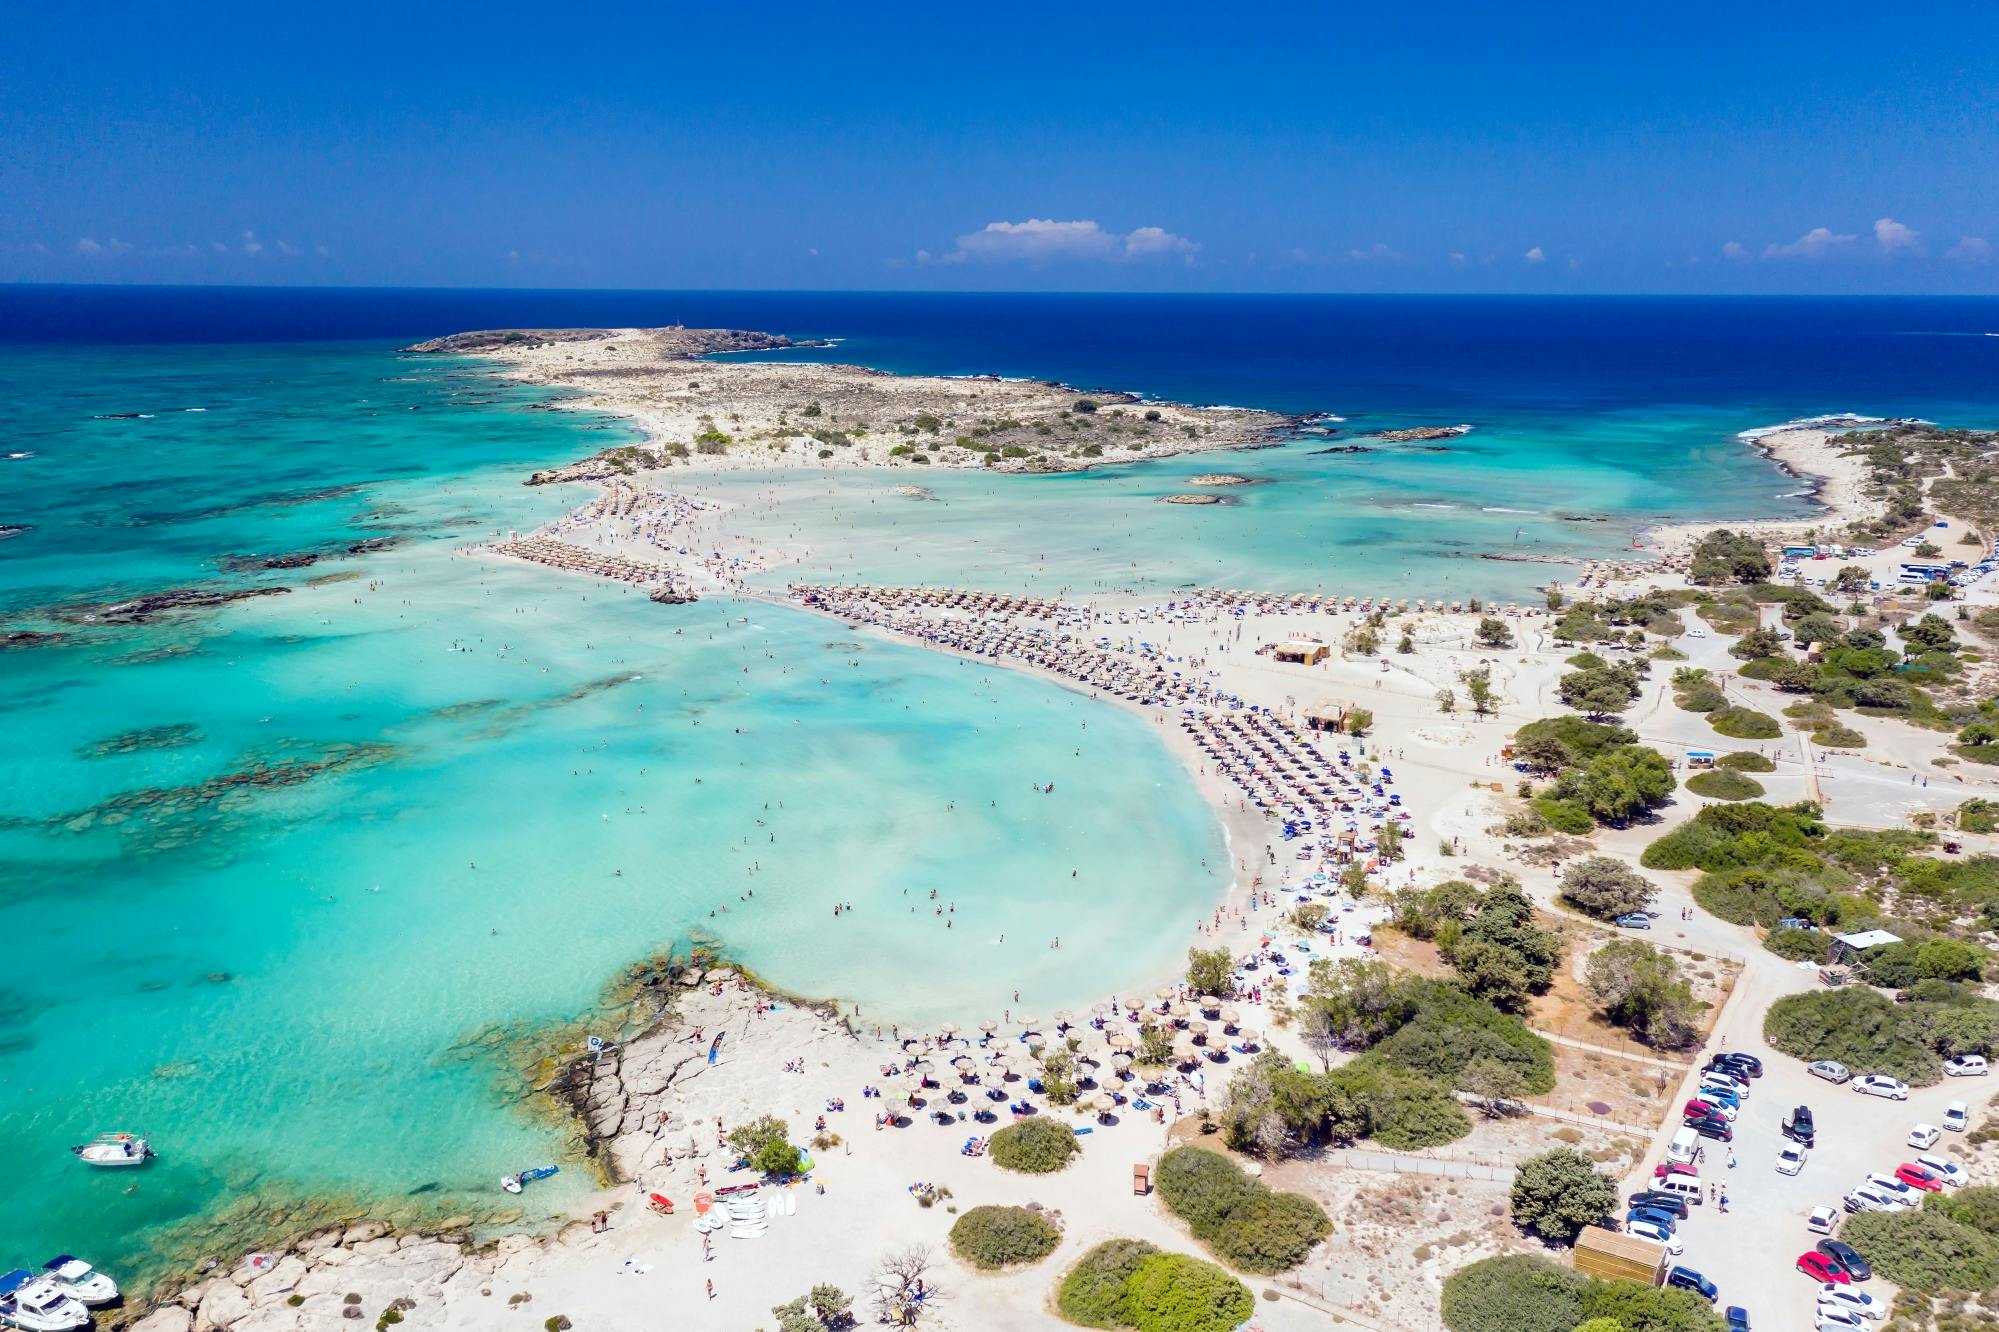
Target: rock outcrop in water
<point x="674" y="343"/>
<point x="152" y="605"/>
<point x="1422" y="433"/>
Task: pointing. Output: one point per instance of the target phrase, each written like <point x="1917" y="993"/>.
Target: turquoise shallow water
<point x="498" y="786"/>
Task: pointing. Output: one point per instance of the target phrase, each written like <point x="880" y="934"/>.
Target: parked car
<point x="1957" y="1117"/>
<point x="1738" y="1318"/>
<point x="1832" y="1295"/>
<point x="1843" y="1253"/>
<point x="1821" y="1268"/>
<point x="1918" y="1178"/>
<point x="1664" y="1220"/>
<point x="1821" y="1220"/>
<point x="1924" y="1136"/>
<point x="1711" y="1109"/>
<point x="1718" y="1092"/>
<point x="1791" y="1160"/>
<point x="1685" y="1169"/>
<point x="1728" y="1082"/>
<point x="1965" y="1066"/>
<point x="1658" y="1234"/>
<point x="1828" y="1319"/>
<point x="1950" y="1172"/>
<point x="1867" y="1198"/>
<point x="1799" y="1126"/>
<point x="1635" y="920"/>
<point x="1661" y="1200"/>
<point x="1685" y="1278"/>
<point x="1880" y="1084"/>
<point x="1747" y="1063"/>
<point x="1715" y="1128"/>
<point x="1829" y="1069"/>
<point x="1890" y="1185"/>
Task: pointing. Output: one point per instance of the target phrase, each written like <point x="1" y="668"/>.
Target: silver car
<point x="1829" y="1069"/>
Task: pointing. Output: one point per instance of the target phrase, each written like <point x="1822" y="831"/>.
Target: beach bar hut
<point x="1327" y="715"/>
<point x="1301" y="651"/>
<point x="1615" y="1257"/>
<point x="1700" y="758"/>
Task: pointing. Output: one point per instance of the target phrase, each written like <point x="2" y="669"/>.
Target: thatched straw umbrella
<point x="1247" y="1037"/>
<point x="1197" y="1029"/>
<point x="948" y="1029"/>
<point x="1178" y="1010"/>
<point x="1121" y="1041"/>
<point x="989" y="1026"/>
<point x="1029" y="1024"/>
<point x="1229" y="1016"/>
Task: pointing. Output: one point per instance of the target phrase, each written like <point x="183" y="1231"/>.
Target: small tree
<point x="1494" y="633"/>
<point x="1155" y="1045"/>
<point x="1359" y="721"/>
<point x="1447" y="700"/>
<point x="1493" y="1082"/>
<point x="1058" y="1077"/>
<point x="1557" y="1193"/>
<point x="1390" y="842"/>
<point x="898" y="1279"/>
<point x="1604" y="886"/>
<point x="1362" y="641"/>
<point x="1478" y="684"/>
<point x="765" y="1142"/>
<point x="1209" y="969"/>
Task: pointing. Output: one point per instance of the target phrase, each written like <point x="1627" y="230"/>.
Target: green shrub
<point x="1860" y="1028"/>
<point x="1977" y="1207"/>
<point x="1797" y="945"/>
<point x="1515" y="1292"/>
<point x="996" y="1237"/>
<point x="1095" y="1293"/>
<point x="1401" y="1110"/>
<point x="1559" y="1192"/>
<point x="1744" y="724"/>
<point x="1724" y="784"/>
<point x="1564" y="816"/>
<point x="1129" y="1283"/>
<point x="1172" y="1292"/>
<point x="1838" y="737"/>
<point x="1924" y="1250"/>
<point x="1745" y="761"/>
<point x="1034" y="1146"/>
<point x="1699" y="696"/>
<point x="1245" y="1223"/>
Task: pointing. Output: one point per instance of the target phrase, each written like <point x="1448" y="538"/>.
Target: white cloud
<point x="1814" y="244"/>
<point x="1895" y="238"/>
<point x="1457" y="258"/>
<point x="251" y="245"/>
<point x="1040" y="240"/>
<point x="1970" y="250"/>
<point x="1575" y="264"/>
<point x="321" y="251"/>
<point x="85" y="245"/>
<point x="1536" y="255"/>
<point x="1735" y="250"/>
<point x="1379" y="252"/>
<point x="220" y="248"/>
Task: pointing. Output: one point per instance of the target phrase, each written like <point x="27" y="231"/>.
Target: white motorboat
<point x="37" y="1304"/>
<point x="111" y="1151"/>
<point x="80" y="1280"/>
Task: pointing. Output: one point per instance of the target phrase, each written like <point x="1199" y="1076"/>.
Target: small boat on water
<point x="113" y="1151"/>
<point x="514" y="1183"/>
<point x="38" y="1304"/>
<point x="79" y="1280"/>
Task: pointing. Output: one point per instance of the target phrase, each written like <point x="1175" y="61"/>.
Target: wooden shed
<point x="1330" y="715"/>
<point x="1301" y="651"/>
<point x="1616" y="1257"/>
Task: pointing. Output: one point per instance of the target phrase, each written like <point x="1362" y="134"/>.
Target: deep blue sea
<point x="274" y="871"/>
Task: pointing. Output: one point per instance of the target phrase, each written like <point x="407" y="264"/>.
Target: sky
<point x="1554" y="148"/>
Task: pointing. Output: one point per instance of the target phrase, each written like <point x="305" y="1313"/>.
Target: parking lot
<point x="1750" y="1252"/>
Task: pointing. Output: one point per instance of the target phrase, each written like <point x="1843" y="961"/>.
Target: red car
<point x="1821" y="1268"/>
<point x="1703" y="1110"/>
<point x="1665" y="1168"/>
<point x="1918" y="1178"/>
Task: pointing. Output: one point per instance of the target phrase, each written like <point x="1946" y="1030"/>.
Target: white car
<point x="1829" y="1069"/>
<point x="1718" y="1081"/>
<point x="1893" y="1187"/>
<point x="1867" y="1198"/>
<point x="1924" y="1136"/>
<point x="1657" y="1234"/>
<point x="1722" y="1107"/>
<point x="1880" y="1084"/>
<point x="1791" y="1160"/>
<point x="1822" y="1220"/>
<point x="1965" y="1066"/>
<point x="1950" y="1172"/>
<point x="1957" y="1116"/>
<point x="1833" y="1296"/>
<point x="1912" y="542"/>
<point x="1696" y="632"/>
<point x="1837" y="1320"/>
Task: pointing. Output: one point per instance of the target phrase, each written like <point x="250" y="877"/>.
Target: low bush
<point x="1744" y="724"/>
<point x="1034" y="1146"/>
<point x="1744" y="761"/>
<point x="994" y="1237"/>
<point x="1797" y="945"/>
<point x="1523" y="1292"/>
<point x="1724" y="784"/>
<point x="1838" y="737"/>
<point x="1245" y="1223"/>
<point x="1128" y="1283"/>
<point x="1860" y="1028"/>
<point x="1924" y="1250"/>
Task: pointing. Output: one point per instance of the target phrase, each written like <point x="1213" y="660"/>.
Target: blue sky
<point x="1829" y="147"/>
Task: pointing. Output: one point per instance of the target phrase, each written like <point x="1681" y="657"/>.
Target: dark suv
<point x="1798" y="1126"/>
<point x="1661" y="1201"/>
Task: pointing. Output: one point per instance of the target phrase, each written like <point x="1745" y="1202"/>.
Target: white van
<point x="1686" y="1146"/>
<point x="1685" y="1186"/>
